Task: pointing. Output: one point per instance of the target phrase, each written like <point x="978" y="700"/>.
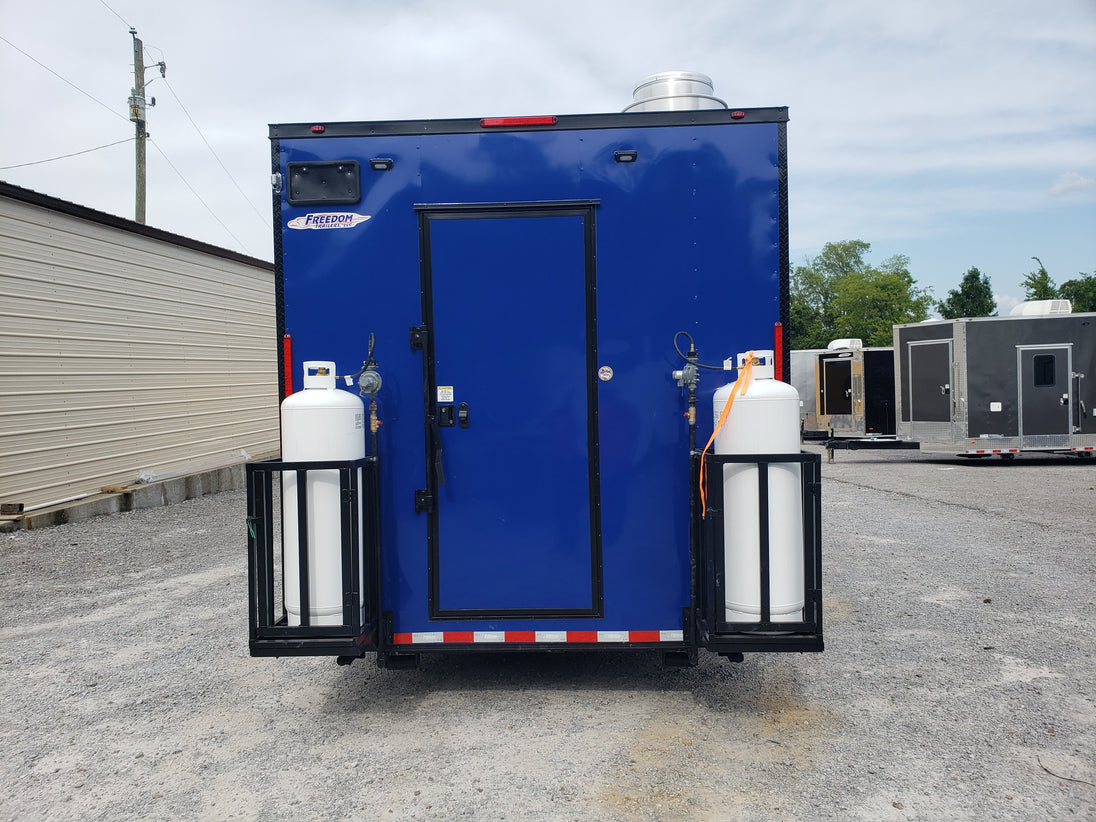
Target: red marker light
<point x="503" y="122"/>
<point x="318" y="129"/>
<point x="737" y="115"/>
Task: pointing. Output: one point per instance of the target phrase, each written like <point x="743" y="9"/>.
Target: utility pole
<point x="137" y="115"/>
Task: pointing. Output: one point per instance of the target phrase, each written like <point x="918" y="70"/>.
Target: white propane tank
<point x="764" y="419"/>
<point x="319" y="423"/>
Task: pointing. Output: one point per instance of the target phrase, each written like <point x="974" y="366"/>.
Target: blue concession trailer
<point x="513" y="297"/>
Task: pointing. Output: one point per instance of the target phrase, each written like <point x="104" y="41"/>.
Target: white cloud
<point x="1071" y="183"/>
<point x="1006" y="303"/>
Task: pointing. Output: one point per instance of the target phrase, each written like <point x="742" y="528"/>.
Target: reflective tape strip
<point x="486" y="637"/>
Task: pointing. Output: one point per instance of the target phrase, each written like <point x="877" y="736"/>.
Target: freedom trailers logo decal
<point x="332" y="219"/>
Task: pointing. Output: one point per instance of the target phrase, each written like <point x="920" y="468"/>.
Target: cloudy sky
<point x="957" y="133"/>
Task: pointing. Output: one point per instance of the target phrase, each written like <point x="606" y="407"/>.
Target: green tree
<point x="839" y="294"/>
<point x="1080" y="292"/>
<point x="1038" y="284"/>
<point x="973" y="298"/>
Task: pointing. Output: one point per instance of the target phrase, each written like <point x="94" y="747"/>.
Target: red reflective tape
<point x="582" y="636"/>
<point x="402" y="639"/>
<point x="521" y="636"/>
<point x="644" y="636"/>
<point x="459" y="636"/>
<point x="778" y="353"/>
<point x="287" y="363"/>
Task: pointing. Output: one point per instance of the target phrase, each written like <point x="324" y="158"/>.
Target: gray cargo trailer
<point x="855" y="392"/>
<point x="998" y="385"/>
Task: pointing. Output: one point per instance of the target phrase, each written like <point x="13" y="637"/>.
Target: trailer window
<point x="1044" y="369"/>
<point x="324" y="183"/>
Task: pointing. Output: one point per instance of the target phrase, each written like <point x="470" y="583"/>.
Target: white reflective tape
<point x="489" y="636"/>
<point x="428" y="636"/>
<point x="671" y="636"/>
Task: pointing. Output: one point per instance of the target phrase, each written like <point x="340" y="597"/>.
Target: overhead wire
<point x="116" y="14"/>
<point x="74" y="154"/>
<point x="258" y="214"/>
<point x="265" y="221"/>
<point x="59" y="77"/>
<point x="196" y="194"/>
<point x="155" y="145"/>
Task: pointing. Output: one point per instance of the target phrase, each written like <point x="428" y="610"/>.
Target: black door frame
<point x="427" y="213"/>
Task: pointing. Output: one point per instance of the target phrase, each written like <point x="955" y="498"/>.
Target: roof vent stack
<point x="674" y="91"/>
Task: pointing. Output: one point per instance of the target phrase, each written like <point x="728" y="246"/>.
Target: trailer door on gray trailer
<point x="836" y="393"/>
<point x="1045" y="390"/>
<point x="930" y="381"/>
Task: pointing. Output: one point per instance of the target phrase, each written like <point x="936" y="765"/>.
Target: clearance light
<point x="381" y="163"/>
<point x="503" y="122"/>
<point x="318" y="129"/>
<point x="625" y="156"/>
<point x="737" y="115"/>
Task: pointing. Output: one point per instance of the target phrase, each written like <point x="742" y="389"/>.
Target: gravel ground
<point x="958" y="681"/>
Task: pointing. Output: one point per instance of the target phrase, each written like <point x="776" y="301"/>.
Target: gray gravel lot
<point x="958" y="681"/>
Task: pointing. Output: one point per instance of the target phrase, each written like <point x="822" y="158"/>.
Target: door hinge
<point x="424" y="502"/>
<point x="418" y="337"/>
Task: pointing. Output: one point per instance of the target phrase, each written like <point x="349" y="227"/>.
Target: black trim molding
<point x="586" y="209"/>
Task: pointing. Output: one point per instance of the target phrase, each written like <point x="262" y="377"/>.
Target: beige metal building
<point x="126" y="353"/>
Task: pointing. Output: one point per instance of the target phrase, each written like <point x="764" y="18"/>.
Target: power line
<point x="59" y="77"/>
<point x="65" y="156"/>
<point x="196" y="194"/>
<point x="265" y="221"/>
<point x="116" y="14"/>
<point x="214" y="153"/>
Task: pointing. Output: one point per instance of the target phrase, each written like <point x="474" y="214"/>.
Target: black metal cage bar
<point x="715" y="632"/>
<point x="270" y="633"/>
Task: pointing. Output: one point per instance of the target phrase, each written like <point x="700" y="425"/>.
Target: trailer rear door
<point x="510" y="407"/>
<point x="836" y="392"/>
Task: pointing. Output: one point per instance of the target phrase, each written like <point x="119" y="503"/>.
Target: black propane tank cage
<point x="732" y="639"/>
<point x="271" y="635"/>
<point x="362" y="629"/>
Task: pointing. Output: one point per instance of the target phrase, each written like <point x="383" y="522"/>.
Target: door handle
<point x="462" y="415"/>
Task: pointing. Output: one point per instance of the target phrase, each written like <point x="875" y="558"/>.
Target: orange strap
<point x="739" y="387"/>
